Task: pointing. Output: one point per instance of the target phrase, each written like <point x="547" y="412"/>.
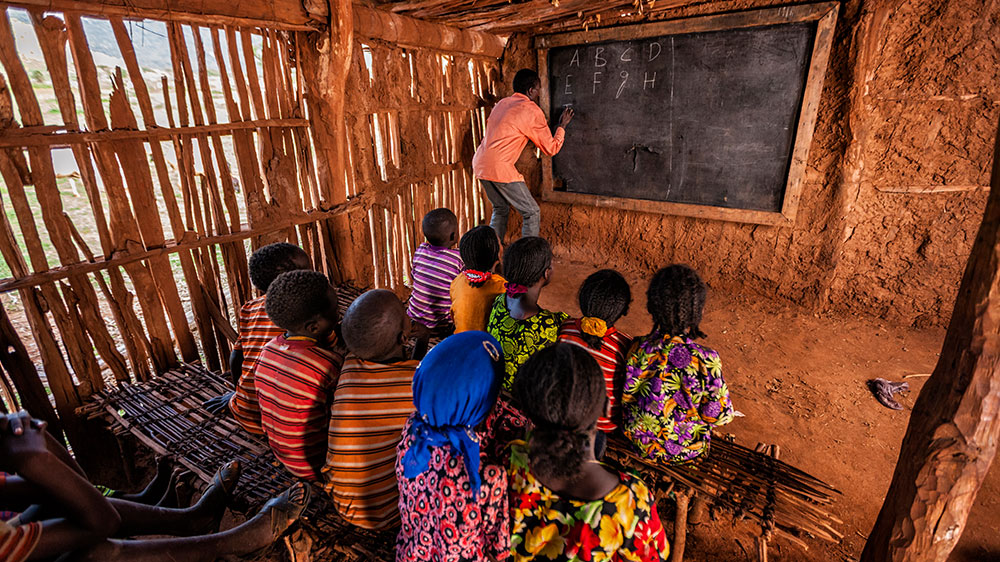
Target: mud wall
<point x="895" y="182"/>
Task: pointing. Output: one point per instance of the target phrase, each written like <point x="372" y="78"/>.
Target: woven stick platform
<point x="750" y="485"/>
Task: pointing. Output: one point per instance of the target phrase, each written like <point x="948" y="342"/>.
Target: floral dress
<point x="521" y="338"/>
<point x="440" y="520"/>
<point x="622" y="526"/>
<point x="674" y="395"/>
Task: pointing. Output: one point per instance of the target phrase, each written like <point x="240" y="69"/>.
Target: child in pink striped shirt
<point x="435" y="265"/>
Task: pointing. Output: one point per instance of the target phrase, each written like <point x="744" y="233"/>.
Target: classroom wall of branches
<point x="136" y="260"/>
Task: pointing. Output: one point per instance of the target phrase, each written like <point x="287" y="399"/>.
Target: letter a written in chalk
<point x="576" y="58"/>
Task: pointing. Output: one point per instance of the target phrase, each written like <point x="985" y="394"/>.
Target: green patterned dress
<point x="521" y="338"/>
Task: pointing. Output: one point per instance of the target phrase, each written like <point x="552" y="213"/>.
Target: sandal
<point x="227" y="477"/>
<point x="284" y="510"/>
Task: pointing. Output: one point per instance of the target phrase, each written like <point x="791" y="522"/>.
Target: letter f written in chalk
<point x="597" y="80"/>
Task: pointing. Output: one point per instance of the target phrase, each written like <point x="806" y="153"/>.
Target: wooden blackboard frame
<point x="825" y="14"/>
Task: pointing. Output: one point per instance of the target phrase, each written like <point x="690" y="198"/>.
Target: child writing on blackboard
<point x="674" y="393"/>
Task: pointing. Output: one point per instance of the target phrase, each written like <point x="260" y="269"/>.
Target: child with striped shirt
<point x="295" y="375"/>
<point x="370" y="407"/>
<point x="435" y="264"/>
<point x="255" y="330"/>
<point x="604" y="298"/>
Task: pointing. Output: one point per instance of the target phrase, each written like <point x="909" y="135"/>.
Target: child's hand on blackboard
<point x="566" y="117"/>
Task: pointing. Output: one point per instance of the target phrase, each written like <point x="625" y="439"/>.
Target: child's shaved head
<point x="440" y="227"/>
<point x="374" y="325"/>
<point x="270" y="261"/>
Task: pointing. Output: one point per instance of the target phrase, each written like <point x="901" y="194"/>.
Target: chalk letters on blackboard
<point x="599" y="60"/>
<point x="576" y="58"/>
<point x="597" y="81"/>
<point x="628" y="52"/>
<point x="652" y="54"/>
<point x="651" y="82"/>
<point x="568" y="91"/>
<point x="624" y="76"/>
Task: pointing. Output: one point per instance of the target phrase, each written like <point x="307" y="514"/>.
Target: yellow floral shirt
<point x="622" y="526"/>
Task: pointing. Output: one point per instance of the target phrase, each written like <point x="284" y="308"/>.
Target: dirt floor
<point x="800" y="380"/>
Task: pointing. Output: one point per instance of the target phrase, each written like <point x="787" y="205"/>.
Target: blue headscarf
<point x="454" y="389"/>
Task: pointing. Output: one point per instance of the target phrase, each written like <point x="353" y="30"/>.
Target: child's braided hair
<point x="525" y="262"/>
<point x="480" y="249"/>
<point x="676" y="300"/>
<point x="562" y="391"/>
<point x="604" y="295"/>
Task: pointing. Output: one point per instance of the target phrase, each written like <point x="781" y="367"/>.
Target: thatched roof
<point x="506" y="16"/>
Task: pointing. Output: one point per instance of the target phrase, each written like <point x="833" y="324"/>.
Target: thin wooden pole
<point x="951" y="439"/>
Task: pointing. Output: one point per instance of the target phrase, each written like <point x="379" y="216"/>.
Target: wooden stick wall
<point x="183" y="172"/>
<point x="414" y="120"/>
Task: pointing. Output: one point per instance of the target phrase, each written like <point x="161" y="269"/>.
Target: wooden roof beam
<point x="411" y="32"/>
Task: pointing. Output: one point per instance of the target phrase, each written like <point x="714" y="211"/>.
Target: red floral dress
<point x="622" y="526"/>
<point x="440" y="519"/>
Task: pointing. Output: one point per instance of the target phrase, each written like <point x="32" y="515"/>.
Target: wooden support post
<point x="15" y="361"/>
<point x="680" y="526"/>
<point x="952" y="435"/>
<point x="326" y="61"/>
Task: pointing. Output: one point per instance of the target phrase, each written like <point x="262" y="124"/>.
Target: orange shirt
<point x="513" y="122"/>
<point x="470" y="306"/>
<point x="369" y="409"/>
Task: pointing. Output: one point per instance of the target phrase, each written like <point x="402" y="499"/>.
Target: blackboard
<point x="707" y="118"/>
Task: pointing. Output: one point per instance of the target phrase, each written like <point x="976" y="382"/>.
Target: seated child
<point x="435" y="264"/>
<point x="295" y="373"/>
<point x="516" y="321"/>
<point x="604" y="298"/>
<point x="370" y="406"/>
<point x="256" y="329"/>
<point x="475" y="289"/>
<point x="566" y="505"/>
<point x="674" y="393"/>
<point x="452" y="497"/>
<point x="75" y="518"/>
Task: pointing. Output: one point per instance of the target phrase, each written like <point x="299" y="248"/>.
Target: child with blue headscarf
<point x="452" y="492"/>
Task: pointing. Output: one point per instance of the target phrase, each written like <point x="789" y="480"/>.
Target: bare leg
<point x="257" y="533"/>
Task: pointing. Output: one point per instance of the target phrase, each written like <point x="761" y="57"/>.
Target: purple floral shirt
<point x="673" y="396"/>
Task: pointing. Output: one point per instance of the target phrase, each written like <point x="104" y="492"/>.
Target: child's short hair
<point x="562" y="391"/>
<point x="676" y="300"/>
<point x="272" y="260"/>
<point x="525" y="262"/>
<point x="480" y="249"/>
<point x="296" y="297"/>
<point x="605" y="295"/>
<point x="372" y="324"/>
<point x="438" y="226"/>
<point x="524" y="80"/>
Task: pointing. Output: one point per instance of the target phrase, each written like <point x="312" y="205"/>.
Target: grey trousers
<point x="503" y="196"/>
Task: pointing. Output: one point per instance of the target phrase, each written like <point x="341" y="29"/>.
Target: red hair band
<point x="514" y="289"/>
<point x="477" y="276"/>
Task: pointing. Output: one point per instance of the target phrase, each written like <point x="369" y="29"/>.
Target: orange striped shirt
<point x="256" y="329"/>
<point x="370" y="408"/>
<point x="611" y="358"/>
<point x="295" y="379"/>
<point x="18" y="542"/>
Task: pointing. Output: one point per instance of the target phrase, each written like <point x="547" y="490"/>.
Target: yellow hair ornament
<point x="593" y="326"/>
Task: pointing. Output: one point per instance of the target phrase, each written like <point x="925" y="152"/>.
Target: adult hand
<point x="566" y="117"/>
<point x="21" y="439"/>
<point x="219" y="404"/>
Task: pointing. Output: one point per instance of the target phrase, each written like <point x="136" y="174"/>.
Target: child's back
<point x="569" y="505"/>
<point x="369" y="409"/>
<point x="516" y="321"/>
<point x="294" y="376"/>
<point x="435" y="264"/>
<point x="256" y="328"/>
<point x="475" y="289"/>
<point x="604" y="297"/>
<point x="674" y="393"/>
